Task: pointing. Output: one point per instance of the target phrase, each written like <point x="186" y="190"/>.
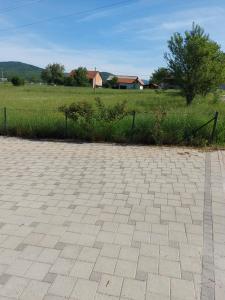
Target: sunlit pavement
<point x="100" y="221"/>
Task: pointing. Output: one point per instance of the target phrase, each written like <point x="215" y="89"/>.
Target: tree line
<point x="54" y="74"/>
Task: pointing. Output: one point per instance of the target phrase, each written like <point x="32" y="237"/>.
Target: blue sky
<point x="130" y="38"/>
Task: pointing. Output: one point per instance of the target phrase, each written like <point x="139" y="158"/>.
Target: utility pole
<point x="95" y="82"/>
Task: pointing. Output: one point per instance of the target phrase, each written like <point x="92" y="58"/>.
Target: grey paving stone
<point x="112" y="222"/>
<point x="142" y="276"/>
<point x="50" y="277"/>
<point x="2" y="224"/>
<point x="98" y="245"/>
<point x="60" y="246"/>
<point x="187" y="275"/>
<point x="4" y="278"/>
<point x="21" y="247"/>
<point x="34" y="224"/>
<point x="95" y="276"/>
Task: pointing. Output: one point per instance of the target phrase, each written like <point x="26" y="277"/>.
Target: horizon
<point x="119" y="37"/>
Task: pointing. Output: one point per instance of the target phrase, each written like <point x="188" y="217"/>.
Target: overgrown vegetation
<point x="161" y="116"/>
<point x="53" y="74"/>
<point x="17" y="81"/>
<point x="196" y="63"/>
<point x="79" y="77"/>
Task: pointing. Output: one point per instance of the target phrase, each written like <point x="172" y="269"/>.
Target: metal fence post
<point x="214" y="126"/>
<point x="5" y="119"/>
<point x="133" y="120"/>
<point x="133" y="125"/>
<point x="66" y="124"/>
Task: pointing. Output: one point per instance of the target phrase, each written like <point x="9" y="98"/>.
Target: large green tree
<point x="196" y="62"/>
<point x="80" y="77"/>
<point x="113" y="82"/>
<point x="161" y="75"/>
<point x="53" y="74"/>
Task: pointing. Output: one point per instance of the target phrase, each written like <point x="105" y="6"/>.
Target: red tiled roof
<point x="126" y="80"/>
<point x="129" y="80"/>
<point x="90" y="74"/>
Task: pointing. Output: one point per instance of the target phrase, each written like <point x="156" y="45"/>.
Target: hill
<point x="26" y="71"/>
<point x="105" y="75"/>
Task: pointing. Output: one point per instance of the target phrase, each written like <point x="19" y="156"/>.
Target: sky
<point x="122" y="37"/>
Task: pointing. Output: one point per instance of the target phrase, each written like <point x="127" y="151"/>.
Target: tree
<point x="17" y="81"/>
<point x="161" y="75"/>
<point x="80" y="77"/>
<point x="69" y="81"/>
<point x="196" y="62"/>
<point x="53" y="74"/>
<point x="113" y="82"/>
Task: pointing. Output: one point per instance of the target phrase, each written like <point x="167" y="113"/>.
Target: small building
<point x="128" y="82"/>
<point x="95" y="78"/>
<point x="152" y="86"/>
<point x="3" y="79"/>
<point x="149" y="85"/>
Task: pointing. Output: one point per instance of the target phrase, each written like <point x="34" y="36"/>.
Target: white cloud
<point x="161" y="26"/>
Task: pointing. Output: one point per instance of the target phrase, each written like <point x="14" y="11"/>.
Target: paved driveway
<point x="96" y="221"/>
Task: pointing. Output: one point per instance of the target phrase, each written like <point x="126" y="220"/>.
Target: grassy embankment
<point x="162" y="116"/>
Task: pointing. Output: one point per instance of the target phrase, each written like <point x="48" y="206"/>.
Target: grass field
<point x="162" y="116"/>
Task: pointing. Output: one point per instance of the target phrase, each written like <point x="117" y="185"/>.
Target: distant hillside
<point x="26" y="71"/>
<point x="105" y="75"/>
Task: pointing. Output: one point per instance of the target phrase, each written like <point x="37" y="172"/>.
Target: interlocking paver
<point x="134" y="289"/>
<point x="110" y="285"/>
<point x="107" y="222"/>
<point x="37" y="271"/>
<point x="62" y="266"/>
<point x="89" y="254"/>
<point x="82" y="269"/>
<point x="159" y="285"/>
<point x="110" y="250"/>
<point x="85" y="290"/>
<point x="169" y="268"/>
<point x="35" y="290"/>
<point x="126" y="269"/>
<point x="62" y="286"/>
<point x="182" y="289"/>
<point x="19" y="267"/>
<point x="105" y="265"/>
<point x="48" y="255"/>
<point x="14" y="287"/>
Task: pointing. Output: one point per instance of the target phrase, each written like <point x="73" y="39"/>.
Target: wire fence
<point x="145" y="126"/>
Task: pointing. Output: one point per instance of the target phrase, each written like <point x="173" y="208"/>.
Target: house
<point x="152" y="86"/>
<point x="3" y="79"/>
<point x="94" y="78"/>
<point x="149" y="85"/>
<point x="128" y="82"/>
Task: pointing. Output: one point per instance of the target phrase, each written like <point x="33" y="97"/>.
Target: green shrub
<point x="111" y="113"/>
<point x="69" y="81"/>
<point x="17" y="81"/>
<point x="78" y="110"/>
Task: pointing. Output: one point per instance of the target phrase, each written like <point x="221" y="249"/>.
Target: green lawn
<point x="50" y="97"/>
<point x="32" y="112"/>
